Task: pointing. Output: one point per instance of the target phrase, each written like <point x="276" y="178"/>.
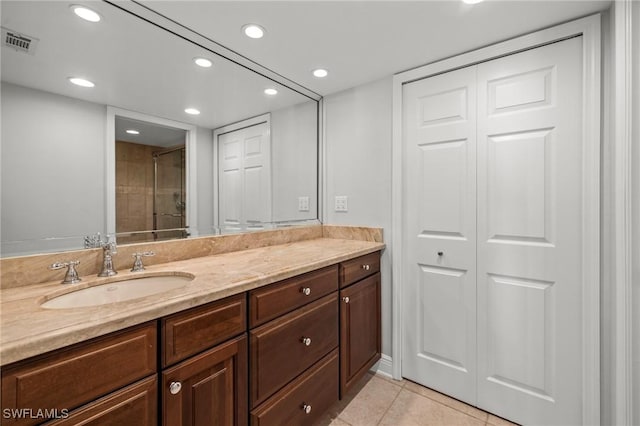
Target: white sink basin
<point x="117" y="291"/>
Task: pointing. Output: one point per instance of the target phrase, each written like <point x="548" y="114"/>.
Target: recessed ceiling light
<point x="472" y="1"/>
<point x="86" y="13"/>
<point x="133" y="132"/>
<point x="253" y="31"/>
<point x="81" y="82"/>
<point x="270" y="92"/>
<point x="320" y="73"/>
<point x="192" y="111"/>
<point x="203" y="62"/>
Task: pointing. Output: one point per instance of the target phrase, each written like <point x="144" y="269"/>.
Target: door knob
<point x="175" y="387"/>
<point x="440" y="253"/>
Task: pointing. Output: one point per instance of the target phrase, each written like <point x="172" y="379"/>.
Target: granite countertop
<point x="27" y="329"/>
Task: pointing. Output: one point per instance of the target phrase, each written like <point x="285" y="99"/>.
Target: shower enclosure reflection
<point x="150" y="181"/>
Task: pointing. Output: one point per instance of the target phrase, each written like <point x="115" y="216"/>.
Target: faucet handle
<point x="71" y="277"/>
<point x="137" y="263"/>
<point x="110" y="247"/>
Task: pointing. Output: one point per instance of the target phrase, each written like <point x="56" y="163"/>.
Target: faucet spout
<point x="108" y="250"/>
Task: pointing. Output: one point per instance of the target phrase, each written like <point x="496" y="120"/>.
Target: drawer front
<point x="134" y="405"/>
<point x="277" y="299"/>
<point x="359" y="268"/>
<point x="278" y="352"/>
<point x="71" y="377"/>
<point x="303" y="401"/>
<point x="188" y="333"/>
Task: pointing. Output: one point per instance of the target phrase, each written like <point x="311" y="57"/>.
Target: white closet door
<point x="244" y="177"/>
<point x="439" y="290"/>
<point x="529" y="235"/>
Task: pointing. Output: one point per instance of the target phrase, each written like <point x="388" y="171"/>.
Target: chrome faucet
<point x="71" y="277"/>
<point x="108" y="250"/>
<point x="137" y="263"/>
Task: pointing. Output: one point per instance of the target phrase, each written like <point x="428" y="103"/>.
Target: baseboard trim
<point x="384" y="366"/>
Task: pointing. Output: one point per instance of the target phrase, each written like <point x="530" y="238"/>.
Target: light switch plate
<point x="341" y="203"/>
<point x="303" y="204"/>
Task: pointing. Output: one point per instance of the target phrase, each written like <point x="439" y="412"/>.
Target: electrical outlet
<point x="341" y="203"/>
<point x="303" y="204"/>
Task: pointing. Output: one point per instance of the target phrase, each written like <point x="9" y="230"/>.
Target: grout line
<point x="486" y="420"/>
<point x="390" y="405"/>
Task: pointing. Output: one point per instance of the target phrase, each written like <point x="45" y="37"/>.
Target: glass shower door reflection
<point x="169" y="200"/>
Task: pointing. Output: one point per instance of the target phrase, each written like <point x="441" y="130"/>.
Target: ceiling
<point x="362" y="41"/>
<point x="149" y="133"/>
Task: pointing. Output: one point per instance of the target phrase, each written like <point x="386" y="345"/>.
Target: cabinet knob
<point x="306" y="341"/>
<point x="306" y="291"/>
<point x="346" y="299"/>
<point x="175" y="387"/>
<point x="366" y="267"/>
<point x="306" y="408"/>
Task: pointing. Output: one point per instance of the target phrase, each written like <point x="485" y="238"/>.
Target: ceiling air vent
<point x="19" y="42"/>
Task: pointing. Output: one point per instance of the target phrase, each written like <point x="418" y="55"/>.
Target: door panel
<point x="529" y="235"/>
<point x="439" y="176"/>
<point x="492" y="292"/>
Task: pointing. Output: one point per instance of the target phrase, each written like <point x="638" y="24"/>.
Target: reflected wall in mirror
<point x="58" y="139"/>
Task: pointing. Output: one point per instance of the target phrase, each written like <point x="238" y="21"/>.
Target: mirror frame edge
<point x="110" y="166"/>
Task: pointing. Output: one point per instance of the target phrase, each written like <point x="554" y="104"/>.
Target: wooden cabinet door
<point x="209" y="388"/>
<point x="360" y="335"/>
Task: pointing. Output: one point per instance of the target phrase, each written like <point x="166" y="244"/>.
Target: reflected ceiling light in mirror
<point x="320" y="73"/>
<point x="85" y="13"/>
<point x="133" y="132"/>
<point x="472" y="1"/>
<point x="253" y="31"/>
<point x="192" y="111"/>
<point x="270" y="91"/>
<point x="81" y="82"/>
<point x="203" y="62"/>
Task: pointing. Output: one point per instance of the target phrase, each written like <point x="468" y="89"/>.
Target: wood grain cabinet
<point x="208" y="385"/>
<point x="310" y="338"/>
<point x="360" y="328"/>
<point x="294" y="364"/>
<point x="63" y="381"/>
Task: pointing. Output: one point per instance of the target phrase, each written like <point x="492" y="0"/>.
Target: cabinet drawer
<point x="317" y="389"/>
<point x="187" y="333"/>
<point x="81" y="373"/>
<point x="277" y="299"/>
<point x="358" y="268"/>
<point x="278" y="352"/>
<point x="133" y="405"/>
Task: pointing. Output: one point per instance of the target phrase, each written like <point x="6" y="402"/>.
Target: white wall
<point x="294" y="161"/>
<point x="358" y="157"/>
<point x="53" y="175"/>
<point x="204" y="160"/>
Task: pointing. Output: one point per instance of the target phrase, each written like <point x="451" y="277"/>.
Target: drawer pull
<point x="346" y="299"/>
<point x="306" y="341"/>
<point x="366" y="267"/>
<point x="175" y="387"/>
<point x="306" y="291"/>
<point x="306" y="408"/>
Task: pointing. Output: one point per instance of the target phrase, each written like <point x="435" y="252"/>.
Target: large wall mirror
<point x="125" y="156"/>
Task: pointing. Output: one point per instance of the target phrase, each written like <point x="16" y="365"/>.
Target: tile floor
<point x="378" y="400"/>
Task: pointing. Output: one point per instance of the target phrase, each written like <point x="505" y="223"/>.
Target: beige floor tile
<point x="400" y="382"/>
<point x="410" y="409"/>
<point x="499" y="421"/>
<point x="446" y="400"/>
<point x="367" y="405"/>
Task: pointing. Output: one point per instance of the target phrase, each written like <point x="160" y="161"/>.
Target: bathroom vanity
<point x="261" y="350"/>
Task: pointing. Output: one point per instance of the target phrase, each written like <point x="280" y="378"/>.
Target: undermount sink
<point x="118" y="291"/>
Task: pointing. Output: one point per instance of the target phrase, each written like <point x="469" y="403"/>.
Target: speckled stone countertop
<point x="27" y="329"/>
